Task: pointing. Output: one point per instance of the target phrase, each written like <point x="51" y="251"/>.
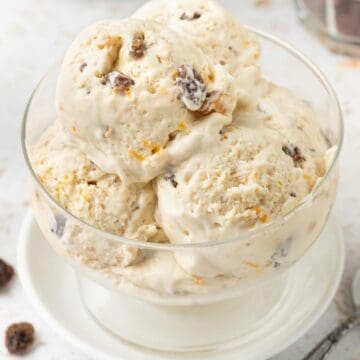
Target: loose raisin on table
<point x="6" y="273"/>
<point x="19" y="337"/>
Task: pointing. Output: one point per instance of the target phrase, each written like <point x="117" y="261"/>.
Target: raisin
<point x="83" y="66"/>
<point x="118" y="81"/>
<point x="295" y="153"/>
<point x="293" y="194"/>
<point x="171" y="178"/>
<point x="138" y="46"/>
<point x="6" y="273"/>
<point x="194" y="16"/>
<point x="60" y="225"/>
<point x="191" y="87"/>
<point x="173" y="135"/>
<point x="210" y="100"/>
<point x="19" y="337"/>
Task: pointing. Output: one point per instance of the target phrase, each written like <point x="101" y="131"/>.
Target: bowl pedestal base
<point x="293" y="304"/>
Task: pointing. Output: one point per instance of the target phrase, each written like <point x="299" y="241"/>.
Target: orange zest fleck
<point x="154" y="148"/>
<point x="136" y="155"/>
<point x="146" y="143"/>
<point x="110" y="41"/>
<point x="181" y="125"/>
<point x="261" y="216"/>
<point x="256" y="267"/>
<point x="211" y="76"/>
<point x="174" y="74"/>
<point x="198" y="280"/>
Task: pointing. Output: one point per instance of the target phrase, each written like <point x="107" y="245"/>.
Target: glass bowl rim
<point x="249" y="233"/>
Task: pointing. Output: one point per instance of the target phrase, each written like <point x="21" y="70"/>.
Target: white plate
<point x="52" y="288"/>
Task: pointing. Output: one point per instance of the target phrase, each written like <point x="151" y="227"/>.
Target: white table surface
<point x="34" y="35"/>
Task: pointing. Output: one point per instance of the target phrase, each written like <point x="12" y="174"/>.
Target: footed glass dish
<point x="157" y="306"/>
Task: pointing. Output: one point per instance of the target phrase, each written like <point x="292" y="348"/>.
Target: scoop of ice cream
<point x="264" y="165"/>
<point x="210" y="26"/>
<point x="137" y="96"/>
<point x="93" y="196"/>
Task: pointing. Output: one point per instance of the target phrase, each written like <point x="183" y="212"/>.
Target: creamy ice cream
<point x="168" y="133"/>
<point x="98" y="198"/>
<point x="210" y="27"/>
<point x="137" y="96"/>
<point x="263" y="166"/>
<point x="213" y="30"/>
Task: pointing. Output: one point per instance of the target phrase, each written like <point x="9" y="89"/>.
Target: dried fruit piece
<point x="138" y="46"/>
<point x="136" y="155"/>
<point x="194" y="16"/>
<point x="60" y="225"/>
<point x="173" y="135"/>
<point x="209" y="104"/>
<point x="6" y="273"/>
<point x="191" y="87"/>
<point x="118" y="81"/>
<point x="295" y="153"/>
<point x="83" y="66"/>
<point x="293" y="194"/>
<point x="171" y="178"/>
<point x="19" y="337"/>
<point x="199" y="280"/>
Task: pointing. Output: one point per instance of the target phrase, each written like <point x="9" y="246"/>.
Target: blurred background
<point x="34" y="35"/>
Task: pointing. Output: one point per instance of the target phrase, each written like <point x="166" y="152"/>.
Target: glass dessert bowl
<point x="119" y="276"/>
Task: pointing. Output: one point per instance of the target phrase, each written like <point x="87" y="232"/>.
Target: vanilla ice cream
<point x="137" y="96"/>
<point x="210" y="27"/>
<point x="98" y="198"/>
<point x="263" y="166"/>
<point x="169" y="134"/>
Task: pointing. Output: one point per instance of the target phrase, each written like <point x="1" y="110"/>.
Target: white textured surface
<point x="35" y="33"/>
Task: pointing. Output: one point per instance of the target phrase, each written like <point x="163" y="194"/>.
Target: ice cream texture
<point x="137" y="97"/>
<point x="210" y="27"/>
<point x="98" y="198"/>
<point x="265" y="162"/>
<point x="168" y="132"/>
